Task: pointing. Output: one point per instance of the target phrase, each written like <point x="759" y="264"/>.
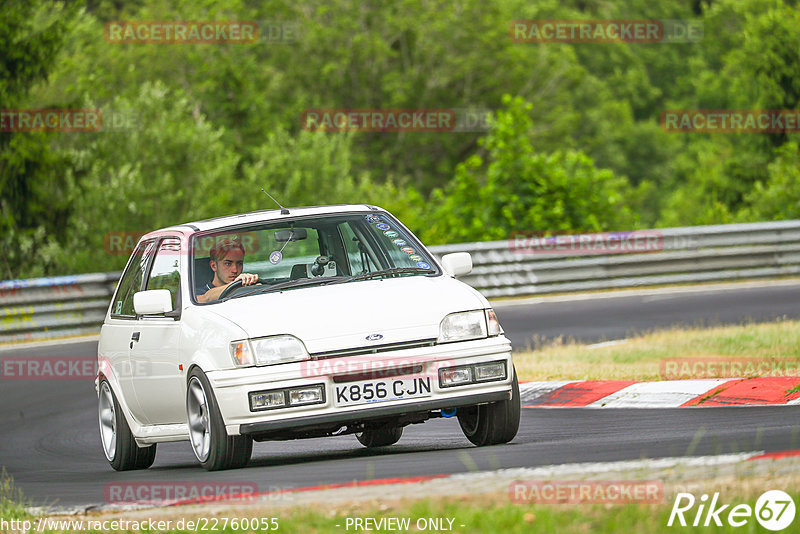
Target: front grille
<point x="375" y="349"/>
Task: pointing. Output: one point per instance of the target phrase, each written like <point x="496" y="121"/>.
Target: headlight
<point x="463" y="326"/>
<point x="268" y="351"/>
<point x="278" y="349"/>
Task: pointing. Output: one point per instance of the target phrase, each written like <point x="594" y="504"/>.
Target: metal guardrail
<point x="70" y="305"/>
<point x="685" y="255"/>
<point x="41" y="308"/>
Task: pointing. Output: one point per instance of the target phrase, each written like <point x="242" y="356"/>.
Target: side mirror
<point x="152" y="302"/>
<point x="457" y="263"/>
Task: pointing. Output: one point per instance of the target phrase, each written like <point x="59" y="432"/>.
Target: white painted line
<point x="606" y="343"/>
<point x="662" y="394"/>
<point x="588" y="468"/>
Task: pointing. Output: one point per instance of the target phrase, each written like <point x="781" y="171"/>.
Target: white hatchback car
<point x="351" y="326"/>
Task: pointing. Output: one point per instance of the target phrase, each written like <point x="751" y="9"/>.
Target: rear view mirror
<point x="295" y="234"/>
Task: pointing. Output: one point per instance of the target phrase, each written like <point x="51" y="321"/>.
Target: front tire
<point x="494" y="423"/>
<point x="382" y="437"/>
<point x="213" y="447"/>
<point x="119" y="445"/>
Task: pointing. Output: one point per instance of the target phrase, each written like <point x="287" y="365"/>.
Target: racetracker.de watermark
<point x="68" y="120"/>
<point x="48" y="367"/>
<point x="368" y="367"/>
<point x="586" y="244"/>
<point x="181" y="32"/>
<point x="454" y="120"/>
<point x="692" y="368"/>
<point x="51" y="120"/>
<point x="638" y="31"/>
<point x="586" y="492"/>
<point x="160" y="493"/>
<point x="123" y="243"/>
<point x="731" y="120"/>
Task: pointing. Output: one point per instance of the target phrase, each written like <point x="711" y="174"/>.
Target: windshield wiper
<point x="300" y="282"/>
<point x="389" y="272"/>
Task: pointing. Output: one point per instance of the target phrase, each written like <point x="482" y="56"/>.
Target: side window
<point x="131" y="281"/>
<point x="165" y="273"/>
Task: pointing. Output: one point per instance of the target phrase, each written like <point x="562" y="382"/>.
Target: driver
<point x="227" y="262"/>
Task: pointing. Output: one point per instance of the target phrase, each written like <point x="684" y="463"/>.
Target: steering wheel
<point x="236" y="284"/>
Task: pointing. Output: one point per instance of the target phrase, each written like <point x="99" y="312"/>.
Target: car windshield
<point x="303" y="252"/>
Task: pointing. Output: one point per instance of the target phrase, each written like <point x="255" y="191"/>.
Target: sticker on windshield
<point x="276" y="257"/>
<point x="390" y="233"/>
<point x="373" y="218"/>
<point x="415" y="257"/>
<point x="382" y="226"/>
<point x="408" y="250"/>
<point x="398" y="242"/>
<point x="423" y="265"/>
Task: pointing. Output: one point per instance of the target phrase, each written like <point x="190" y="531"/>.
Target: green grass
<point x="12" y="503"/>
<point x="640" y="358"/>
<point x="504" y="517"/>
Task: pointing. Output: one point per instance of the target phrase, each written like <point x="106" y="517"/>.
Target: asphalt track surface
<point x="608" y="317"/>
<point x="49" y="440"/>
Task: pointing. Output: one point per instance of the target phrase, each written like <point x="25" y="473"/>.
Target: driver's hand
<point x="247" y="279"/>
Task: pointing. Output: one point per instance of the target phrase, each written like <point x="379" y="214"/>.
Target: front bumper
<point x="232" y="387"/>
<point x="373" y="412"/>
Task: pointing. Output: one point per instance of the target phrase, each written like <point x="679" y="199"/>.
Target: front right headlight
<point x="463" y="326"/>
<point x="494" y="325"/>
<point x="268" y="351"/>
<point x="278" y="349"/>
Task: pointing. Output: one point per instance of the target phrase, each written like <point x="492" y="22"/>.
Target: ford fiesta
<point x="301" y="323"/>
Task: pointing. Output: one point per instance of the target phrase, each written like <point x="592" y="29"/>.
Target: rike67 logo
<point x="774" y="510"/>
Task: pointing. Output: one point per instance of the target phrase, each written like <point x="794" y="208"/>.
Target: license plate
<point x="371" y="391"/>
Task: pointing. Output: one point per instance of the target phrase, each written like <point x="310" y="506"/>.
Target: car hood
<point x="342" y="316"/>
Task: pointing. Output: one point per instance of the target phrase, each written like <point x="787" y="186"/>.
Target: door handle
<point x="134" y="337"/>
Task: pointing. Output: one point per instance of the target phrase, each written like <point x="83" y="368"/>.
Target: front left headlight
<point x="463" y="326"/>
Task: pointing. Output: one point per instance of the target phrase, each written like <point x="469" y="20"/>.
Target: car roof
<point x="261" y="215"/>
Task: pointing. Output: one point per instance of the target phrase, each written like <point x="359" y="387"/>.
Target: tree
<point x="514" y="188"/>
<point x="32" y="213"/>
<point x="779" y="196"/>
<point x="163" y="166"/>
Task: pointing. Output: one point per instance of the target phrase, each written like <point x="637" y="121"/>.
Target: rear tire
<point x="212" y="446"/>
<point x="494" y="423"/>
<point x="382" y="437"/>
<point x="119" y="445"/>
